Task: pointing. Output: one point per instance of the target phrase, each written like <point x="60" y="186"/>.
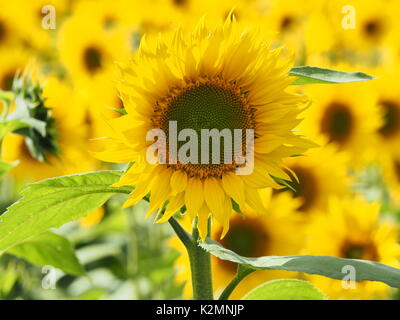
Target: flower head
<point x="222" y="78"/>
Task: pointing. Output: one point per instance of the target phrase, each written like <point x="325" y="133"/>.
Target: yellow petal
<point x="214" y="196"/>
<point x="202" y="224"/>
<point x="175" y="203"/>
<point x="253" y="199"/>
<point x="178" y="181"/>
<point x="234" y="187"/>
<point x="194" y="196"/>
<point x="160" y="189"/>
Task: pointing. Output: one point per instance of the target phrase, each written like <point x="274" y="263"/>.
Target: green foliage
<point x="313" y="75"/>
<point x="322" y="265"/>
<point x="49" y="249"/>
<point x="285" y="289"/>
<point x="54" y="202"/>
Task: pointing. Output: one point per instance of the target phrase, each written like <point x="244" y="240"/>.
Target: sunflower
<point x="70" y="138"/>
<point x="351" y="229"/>
<point x="31" y="15"/>
<point x="373" y="22"/>
<point x="346" y="117"/>
<point x="388" y="101"/>
<point x="287" y="19"/>
<point x="223" y="78"/>
<point x="321" y="173"/>
<point x="88" y="52"/>
<point x="276" y="233"/>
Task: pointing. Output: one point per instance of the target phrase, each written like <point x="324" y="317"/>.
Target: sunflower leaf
<point x="313" y="75"/>
<point x="54" y="202"/>
<point x="285" y="289"/>
<point x="332" y="267"/>
<point x="49" y="249"/>
<point x="283" y="182"/>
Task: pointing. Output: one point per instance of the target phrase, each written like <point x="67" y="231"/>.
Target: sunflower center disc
<point x="337" y="123"/>
<point x="92" y="59"/>
<point x="208" y="106"/>
<point x="359" y="251"/>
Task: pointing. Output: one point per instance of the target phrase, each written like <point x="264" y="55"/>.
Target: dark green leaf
<point x="325" y="266"/>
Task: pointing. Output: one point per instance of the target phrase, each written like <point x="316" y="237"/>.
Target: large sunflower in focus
<point x="224" y="78"/>
<point x="351" y="228"/>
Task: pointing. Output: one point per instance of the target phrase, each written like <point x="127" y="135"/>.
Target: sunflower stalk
<point x="241" y="273"/>
<point x="200" y="260"/>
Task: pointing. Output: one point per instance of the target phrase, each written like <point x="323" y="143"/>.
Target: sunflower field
<point x="199" y="149"/>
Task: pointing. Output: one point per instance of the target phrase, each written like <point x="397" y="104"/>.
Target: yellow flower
<point x="71" y="139"/>
<point x="362" y="24"/>
<point x="321" y="173"/>
<point x="30" y="17"/>
<point x="275" y="233"/>
<point x="221" y="78"/>
<point x="388" y="101"/>
<point x="89" y="51"/>
<point x="345" y="116"/>
<point x="351" y="229"/>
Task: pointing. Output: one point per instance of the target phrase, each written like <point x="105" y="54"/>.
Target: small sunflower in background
<point x="362" y="25"/>
<point x="286" y="20"/>
<point x="352" y="228"/>
<point x="319" y="174"/>
<point x="388" y="101"/>
<point x="346" y="117"/>
<point x="31" y="15"/>
<point x="221" y="78"/>
<point x="253" y="235"/>
<point x="88" y="52"/>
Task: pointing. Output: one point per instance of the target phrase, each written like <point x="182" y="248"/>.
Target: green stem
<point x="200" y="262"/>
<point x="240" y="275"/>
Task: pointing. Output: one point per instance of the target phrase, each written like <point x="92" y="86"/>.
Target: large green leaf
<point x="49" y="249"/>
<point x="325" y="266"/>
<point x="285" y="289"/>
<point x="312" y="75"/>
<point x="53" y="202"/>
